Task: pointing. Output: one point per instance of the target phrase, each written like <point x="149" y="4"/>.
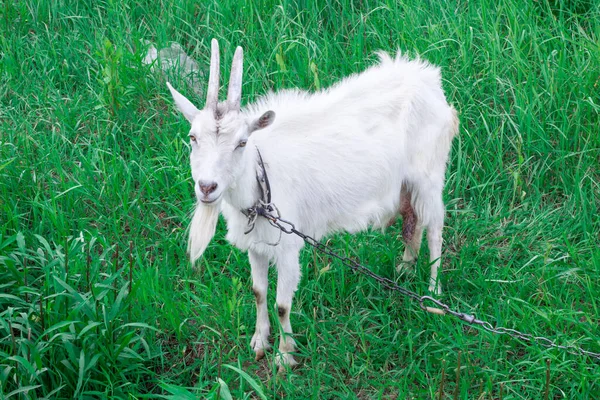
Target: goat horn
<point x="212" y="94"/>
<point x="234" y="93"/>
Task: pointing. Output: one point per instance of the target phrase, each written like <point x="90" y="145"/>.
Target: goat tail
<point x="202" y="230"/>
<point x="455" y="123"/>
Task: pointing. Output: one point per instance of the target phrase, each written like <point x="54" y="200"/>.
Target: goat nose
<point x="207" y="187"/>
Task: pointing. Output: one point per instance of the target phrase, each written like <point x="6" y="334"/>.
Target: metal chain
<point x="272" y="215"/>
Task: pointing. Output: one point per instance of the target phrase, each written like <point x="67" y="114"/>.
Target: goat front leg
<point x="288" y="276"/>
<point x="260" y="272"/>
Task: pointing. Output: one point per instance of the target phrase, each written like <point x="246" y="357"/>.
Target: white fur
<point x="337" y="161"/>
<point x="203" y="225"/>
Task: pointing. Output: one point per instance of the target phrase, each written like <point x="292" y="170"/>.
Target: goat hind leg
<point x="413" y="244"/>
<point x="412" y="230"/>
<point x="434" y="241"/>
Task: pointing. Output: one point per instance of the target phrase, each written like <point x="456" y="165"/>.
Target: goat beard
<point x="202" y="229"/>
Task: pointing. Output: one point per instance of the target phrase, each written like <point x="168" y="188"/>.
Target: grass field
<point x="97" y="298"/>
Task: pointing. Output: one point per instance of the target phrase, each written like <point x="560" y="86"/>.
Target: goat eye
<point x="242" y="143"/>
<point x="192" y="138"/>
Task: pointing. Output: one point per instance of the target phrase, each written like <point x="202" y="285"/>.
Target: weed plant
<point x="97" y="298"/>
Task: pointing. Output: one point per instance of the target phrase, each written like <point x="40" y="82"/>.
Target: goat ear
<point x="263" y="121"/>
<point x="186" y="107"/>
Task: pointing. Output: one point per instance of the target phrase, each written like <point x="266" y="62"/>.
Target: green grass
<point x="93" y="160"/>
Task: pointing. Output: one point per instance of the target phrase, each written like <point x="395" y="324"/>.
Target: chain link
<point x="270" y="212"/>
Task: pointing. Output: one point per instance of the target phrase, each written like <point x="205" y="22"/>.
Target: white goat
<point x="347" y="158"/>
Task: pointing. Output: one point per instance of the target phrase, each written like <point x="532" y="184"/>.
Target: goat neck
<point x="244" y="192"/>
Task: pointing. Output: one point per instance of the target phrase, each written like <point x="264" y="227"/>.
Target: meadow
<point x="98" y="298"/>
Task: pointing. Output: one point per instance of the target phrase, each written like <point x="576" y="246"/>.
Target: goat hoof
<point x="283" y="369"/>
<point x="259" y="344"/>
<point x="405" y="267"/>
<point x="435" y="289"/>
<point x="285" y="360"/>
<point x="260" y="354"/>
<point x="409" y="256"/>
